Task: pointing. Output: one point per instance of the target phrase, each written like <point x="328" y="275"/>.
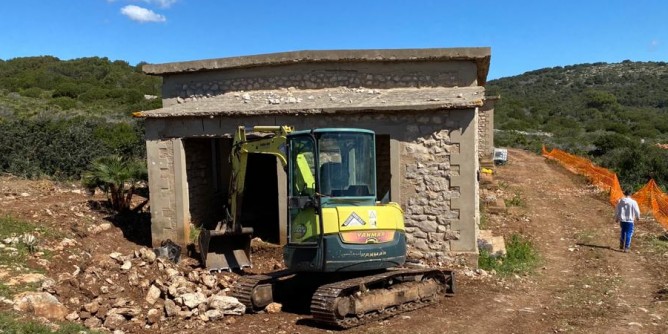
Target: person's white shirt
<point x="627" y="210"/>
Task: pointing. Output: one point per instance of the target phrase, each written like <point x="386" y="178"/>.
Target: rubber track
<point x="243" y="290"/>
<point x="323" y="301"/>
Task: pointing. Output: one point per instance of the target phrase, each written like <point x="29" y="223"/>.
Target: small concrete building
<point x="422" y="104"/>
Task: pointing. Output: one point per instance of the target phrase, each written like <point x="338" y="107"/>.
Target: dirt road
<point x="583" y="284"/>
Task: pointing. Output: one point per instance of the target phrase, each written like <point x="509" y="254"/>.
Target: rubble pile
<point x="132" y="291"/>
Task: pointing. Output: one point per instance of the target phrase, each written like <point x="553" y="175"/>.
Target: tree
<point x="117" y="177"/>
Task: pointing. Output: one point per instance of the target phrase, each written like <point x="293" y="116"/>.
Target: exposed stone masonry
<point x="316" y="80"/>
<point x="428" y="171"/>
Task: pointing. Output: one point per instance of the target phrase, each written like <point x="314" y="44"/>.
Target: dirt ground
<point x="583" y="284"/>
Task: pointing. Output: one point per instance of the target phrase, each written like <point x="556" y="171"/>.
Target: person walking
<point x="626" y="213"/>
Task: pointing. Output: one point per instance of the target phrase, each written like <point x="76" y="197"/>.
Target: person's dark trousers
<point x="627" y="233"/>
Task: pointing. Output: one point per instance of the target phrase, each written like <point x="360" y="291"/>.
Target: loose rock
<point x="228" y="305"/>
<point x="273" y="308"/>
<point x="153" y="294"/>
<point x="41" y="304"/>
<point x="114" y="321"/>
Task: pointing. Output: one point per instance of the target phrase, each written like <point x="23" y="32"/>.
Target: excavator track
<point x="256" y="291"/>
<point x="351" y="302"/>
<point x="243" y="291"/>
<point x="326" y="302"/>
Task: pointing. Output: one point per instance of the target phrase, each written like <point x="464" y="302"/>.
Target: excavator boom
<point x="227" y="246"/>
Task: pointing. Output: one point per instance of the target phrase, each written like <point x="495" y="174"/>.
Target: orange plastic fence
<point x="650" y="197"/>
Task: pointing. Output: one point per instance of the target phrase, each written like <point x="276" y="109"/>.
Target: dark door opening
<point x="383" y="165"/>
<point x="260" y="201"/>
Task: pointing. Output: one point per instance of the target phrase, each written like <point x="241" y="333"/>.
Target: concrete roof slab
<point x="324" y="101"/>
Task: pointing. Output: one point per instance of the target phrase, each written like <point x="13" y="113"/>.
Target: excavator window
<point x="302" y="167"/>
<point x="347" y="164"/>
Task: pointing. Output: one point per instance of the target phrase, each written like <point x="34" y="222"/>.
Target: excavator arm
<point x="227" y="246"/>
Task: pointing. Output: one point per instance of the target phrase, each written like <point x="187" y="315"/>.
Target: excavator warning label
<point x="372" y="217"/>
<point x="354" y="220"/>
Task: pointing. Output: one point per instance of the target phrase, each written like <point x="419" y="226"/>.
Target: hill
<point x="57" y="116"/>
<point x="613" y="113"/>
<point x="87" y="86"/>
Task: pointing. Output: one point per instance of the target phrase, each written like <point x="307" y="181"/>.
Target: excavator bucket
<point x="224" y="252"/>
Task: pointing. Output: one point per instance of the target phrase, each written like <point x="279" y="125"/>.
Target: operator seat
<point x="333" y="177"/>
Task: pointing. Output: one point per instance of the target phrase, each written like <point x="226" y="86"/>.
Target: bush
<point x="520" y="258"/>
<point x="63" y="148"/>
<point x="117" y="177"/>
<point x="65" y="103"/>
<point x="34" y="92"/>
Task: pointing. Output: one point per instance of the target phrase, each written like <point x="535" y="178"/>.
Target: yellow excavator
<point x="345" y="251"/>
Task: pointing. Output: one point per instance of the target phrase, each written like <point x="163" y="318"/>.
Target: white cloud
<point x="142" y="15"/>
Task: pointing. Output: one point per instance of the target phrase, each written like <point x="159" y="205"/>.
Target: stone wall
<point x="428" y="192"/>
<point x="193" y="86"/>
<point x="486" y="129"/>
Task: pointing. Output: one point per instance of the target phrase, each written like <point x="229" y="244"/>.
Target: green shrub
<point x="520" y="257"/>
<point x="117" y="177"/>
<point x="516" y="200"/>
<point x="64" y="103"/>
<point x="64" y="148"/>
<point x="32" y="92"/>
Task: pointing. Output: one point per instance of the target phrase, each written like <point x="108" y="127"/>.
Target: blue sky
<point x="523" y="35"/>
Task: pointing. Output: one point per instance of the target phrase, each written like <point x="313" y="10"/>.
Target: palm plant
<point x="117" y="177"/>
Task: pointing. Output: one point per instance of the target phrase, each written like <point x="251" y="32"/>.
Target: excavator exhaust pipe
<point x="221" y="251"/>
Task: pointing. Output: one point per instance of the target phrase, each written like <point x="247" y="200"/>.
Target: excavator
<point x="345" y="250"/>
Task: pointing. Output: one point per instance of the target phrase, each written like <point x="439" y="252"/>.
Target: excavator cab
<point x="335" y="223"/>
